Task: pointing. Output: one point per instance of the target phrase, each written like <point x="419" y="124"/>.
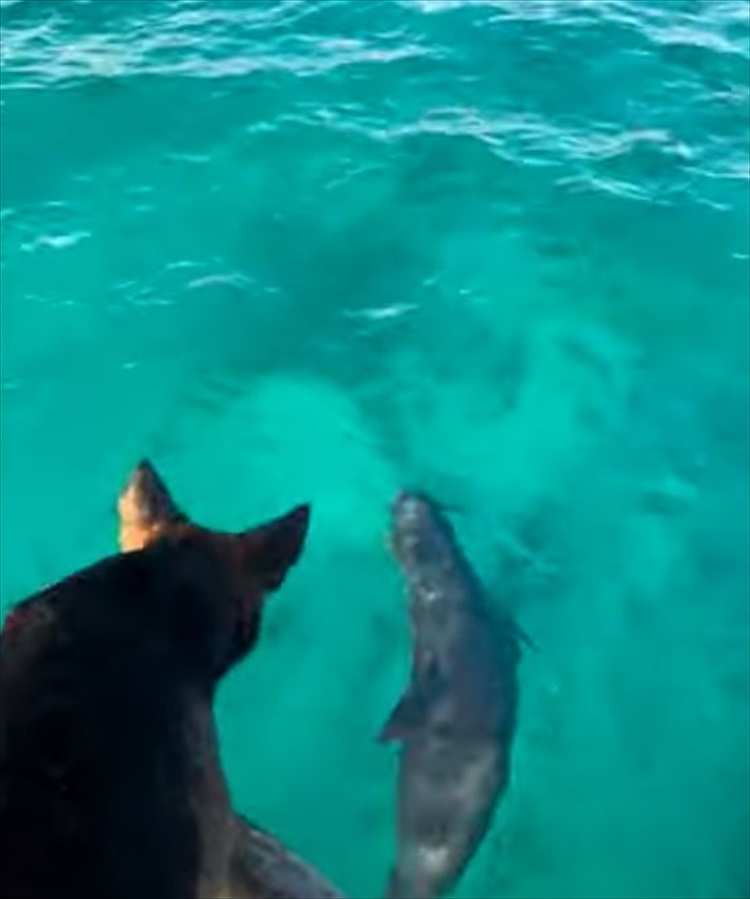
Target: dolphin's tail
<point x="395" y="890"/>
<point x="399" y="887"/>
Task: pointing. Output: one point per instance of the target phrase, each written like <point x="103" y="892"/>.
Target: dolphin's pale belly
<point x="448" y="792"/>
<point x="448" y="786"/>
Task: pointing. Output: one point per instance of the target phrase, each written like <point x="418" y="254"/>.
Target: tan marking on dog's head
<point x="229" y="574"/>
<point x="146" y="510"/>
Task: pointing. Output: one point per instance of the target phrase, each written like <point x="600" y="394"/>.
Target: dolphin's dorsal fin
<point x="411" y="711"/>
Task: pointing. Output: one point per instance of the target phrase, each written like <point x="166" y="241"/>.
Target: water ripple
<point x="495" y="246"/>
<point x="680" y="75"/>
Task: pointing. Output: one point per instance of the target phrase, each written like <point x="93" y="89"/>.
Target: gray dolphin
<point x="456" y="720"/>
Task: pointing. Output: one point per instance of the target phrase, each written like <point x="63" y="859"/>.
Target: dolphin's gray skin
<point x="457" y="717"/>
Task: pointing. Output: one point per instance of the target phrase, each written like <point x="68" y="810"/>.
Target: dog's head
<point x="214" y="581"/>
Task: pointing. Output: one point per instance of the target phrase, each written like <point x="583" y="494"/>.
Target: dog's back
<point x="110" y="784"/>
<point x="95" y="755"/>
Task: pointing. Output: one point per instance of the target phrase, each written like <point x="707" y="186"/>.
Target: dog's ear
<point x="271" y="549"/>
<point x="146" y="509"/>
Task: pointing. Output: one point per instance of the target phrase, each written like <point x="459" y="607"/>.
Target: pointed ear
<point x="271" y="549"/>
<point x="145" y="509"/>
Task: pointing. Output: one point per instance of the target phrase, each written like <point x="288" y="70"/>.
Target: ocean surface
<point x="318" y="249"/>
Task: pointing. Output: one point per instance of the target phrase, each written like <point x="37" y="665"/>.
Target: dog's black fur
<point x="110" y="781"/>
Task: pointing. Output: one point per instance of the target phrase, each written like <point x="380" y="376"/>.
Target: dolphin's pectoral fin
<point x="404" y="720"/>
<point x="411" y="711"/>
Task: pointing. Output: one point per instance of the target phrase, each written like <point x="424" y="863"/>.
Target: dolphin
<point x="456" y="720"/>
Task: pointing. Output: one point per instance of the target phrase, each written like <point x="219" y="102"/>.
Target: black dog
<point x="111" y="785"/>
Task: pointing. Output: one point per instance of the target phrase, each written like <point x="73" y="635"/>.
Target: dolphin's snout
<point x="399" y="501"/>
<point x="408" y="506"/>
<point x="408" y="515"/>
<point x="418" y="531"/>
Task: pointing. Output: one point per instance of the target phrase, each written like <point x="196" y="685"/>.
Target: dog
<point x="111" y="784"/>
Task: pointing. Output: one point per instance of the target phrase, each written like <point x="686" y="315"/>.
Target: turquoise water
<point x="316" y="249"/>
